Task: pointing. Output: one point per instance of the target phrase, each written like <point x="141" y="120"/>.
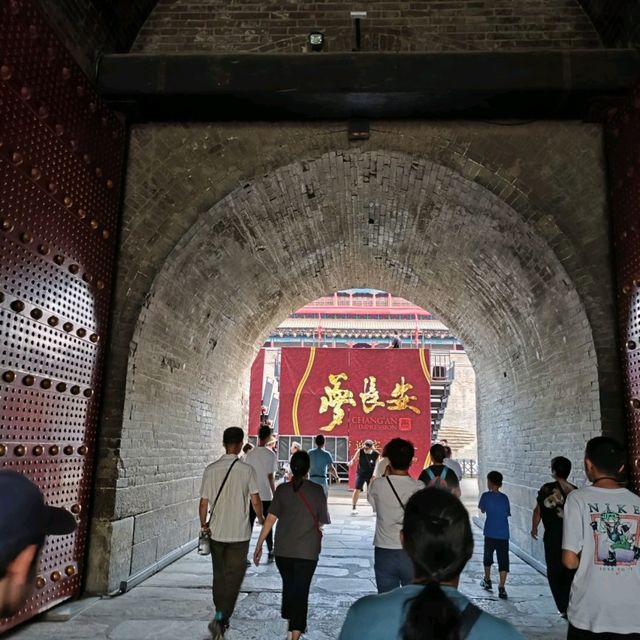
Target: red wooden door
<point x="61" y="156"/>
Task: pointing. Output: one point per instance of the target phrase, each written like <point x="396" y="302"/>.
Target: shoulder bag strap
<point x="309" y="509"/>
<point x="443" y="473"/>
<point x="430" y="473"/>
<point x="215" y="502"/>
<point x="468" y="618"/>
<point x="395" y="492"/>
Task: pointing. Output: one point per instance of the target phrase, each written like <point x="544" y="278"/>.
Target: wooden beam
<point x="366" y="85"/>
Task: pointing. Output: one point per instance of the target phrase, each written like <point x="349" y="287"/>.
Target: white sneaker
<point x="354" y="512"/>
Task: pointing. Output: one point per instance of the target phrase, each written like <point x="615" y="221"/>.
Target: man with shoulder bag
<point x="228" y="485"/>
<point x="388" y="496"/>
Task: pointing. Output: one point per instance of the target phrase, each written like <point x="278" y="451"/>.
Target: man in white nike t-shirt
<point x="601" y="538"/>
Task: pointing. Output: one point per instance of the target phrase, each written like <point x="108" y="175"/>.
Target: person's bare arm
<point x="334" y="472"/>
<point x="535" y="522"/>
<point x="266" y="528"/>
<point x="203" y="508"/>
<point x="570" y="559"/>
<point x="257" y="507"/>
<point x="272" y="483"/>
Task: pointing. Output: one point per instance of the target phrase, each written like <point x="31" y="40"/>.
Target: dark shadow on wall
<point x="617" y="21"/>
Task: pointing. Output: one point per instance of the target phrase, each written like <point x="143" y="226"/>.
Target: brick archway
<point x="388" y="219"/>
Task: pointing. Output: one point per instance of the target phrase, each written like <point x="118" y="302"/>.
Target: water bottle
<point x="204" y="544"/>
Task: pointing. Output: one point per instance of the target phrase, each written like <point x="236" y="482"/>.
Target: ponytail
<point x="438" y="539"/>
<point x="431" y="616"/>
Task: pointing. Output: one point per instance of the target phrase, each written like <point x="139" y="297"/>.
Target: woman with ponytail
<point x="436" y="534"/>
<point x="300" y="509"/>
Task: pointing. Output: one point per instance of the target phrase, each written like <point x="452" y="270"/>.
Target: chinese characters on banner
<point x="358" y="393"/>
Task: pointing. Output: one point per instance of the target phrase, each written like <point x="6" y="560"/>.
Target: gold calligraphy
<point x="370" y="396"/>
<point x="335" y="396"/>
<point x="399" y="398"/>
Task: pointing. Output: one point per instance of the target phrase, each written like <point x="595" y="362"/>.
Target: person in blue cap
<point x="25" y="521"/>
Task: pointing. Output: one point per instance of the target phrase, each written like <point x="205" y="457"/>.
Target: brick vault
<point x="502" y="231"/>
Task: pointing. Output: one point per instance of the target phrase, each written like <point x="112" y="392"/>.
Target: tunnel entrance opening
<point x="478" y="251"/>
<point x="372" y="319"/>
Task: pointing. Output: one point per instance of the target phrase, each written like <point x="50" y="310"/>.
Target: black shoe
<point x="271" y="557"/>
<point x="486" y="584"/>
<point x="502" y="593"/>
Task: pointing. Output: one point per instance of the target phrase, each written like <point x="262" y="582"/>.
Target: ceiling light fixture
<point x="316" y="40"/>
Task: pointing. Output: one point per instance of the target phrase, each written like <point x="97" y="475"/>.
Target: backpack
<point x="438" y="481"/>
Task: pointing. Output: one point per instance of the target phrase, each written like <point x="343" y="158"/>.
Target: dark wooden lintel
<point x="560" y="84"/>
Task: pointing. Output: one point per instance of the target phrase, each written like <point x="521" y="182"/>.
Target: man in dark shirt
<point x="550" y="509"/>
<point x="367" y="457"/>
<point x="439" y="475"/>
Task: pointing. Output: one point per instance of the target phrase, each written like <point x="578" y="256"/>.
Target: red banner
<point x="358" y="393"/>
<point x="255" y="393"/>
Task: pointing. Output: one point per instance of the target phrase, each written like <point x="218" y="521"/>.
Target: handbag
<point x="204" y="539"/>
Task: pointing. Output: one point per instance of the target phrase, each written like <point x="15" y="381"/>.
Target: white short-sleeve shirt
<point x="389" y="511"/>
<point x="454" y="465"/>
<point x="603" y="526"/>
<point x="264" y="461"/>
<point x="230" y="518"/>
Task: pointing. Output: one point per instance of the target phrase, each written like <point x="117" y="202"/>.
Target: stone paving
<point x="176" y="603"/>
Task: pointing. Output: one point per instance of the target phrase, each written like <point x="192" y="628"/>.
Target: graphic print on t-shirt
<point x="616" y="535"/>
<point x="555" y="501"/>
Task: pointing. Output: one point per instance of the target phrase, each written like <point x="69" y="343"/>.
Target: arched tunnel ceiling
<point x="446" y="243"/>
<point x="177" y="172"/>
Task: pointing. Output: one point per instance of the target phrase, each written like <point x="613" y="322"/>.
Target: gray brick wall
<point x="428" y="25"/>
<point x="89" y="28"/>
<point x="502" y="231"/>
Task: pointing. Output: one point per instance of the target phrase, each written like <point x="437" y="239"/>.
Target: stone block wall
<point x="461" y="407"/>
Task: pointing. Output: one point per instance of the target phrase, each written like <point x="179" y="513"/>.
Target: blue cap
<point x="25" y="518"/>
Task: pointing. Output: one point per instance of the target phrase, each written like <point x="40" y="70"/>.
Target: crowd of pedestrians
<point x="423" y="539"/>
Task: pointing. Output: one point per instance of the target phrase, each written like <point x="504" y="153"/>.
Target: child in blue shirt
<point x="495" y="506"/>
